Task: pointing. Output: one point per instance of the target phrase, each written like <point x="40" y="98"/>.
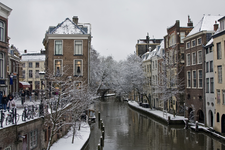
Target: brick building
<point x="68" y="48"/>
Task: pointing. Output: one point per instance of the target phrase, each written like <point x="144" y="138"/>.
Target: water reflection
<point x="126" y="129"/>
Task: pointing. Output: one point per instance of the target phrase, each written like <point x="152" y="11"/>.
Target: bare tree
<point x="70" y="99"/>
<point x="170" y="83"/>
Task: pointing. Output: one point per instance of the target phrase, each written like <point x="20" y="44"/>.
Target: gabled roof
<point x="205" y="24"/>
<point x="66" y="27"/>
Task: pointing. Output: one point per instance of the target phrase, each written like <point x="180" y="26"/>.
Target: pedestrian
<point x="30" y="94"/>
<point x="22" y="97"/>
<point x="4" y="102"/>
<point x="11" y="103"/>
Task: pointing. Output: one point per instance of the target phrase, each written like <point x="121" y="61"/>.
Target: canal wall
<point x="157" y="114"/>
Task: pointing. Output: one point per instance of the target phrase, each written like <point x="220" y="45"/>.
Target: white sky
<point x="116" y="24"/>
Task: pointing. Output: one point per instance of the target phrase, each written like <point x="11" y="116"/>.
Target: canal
<point x="127" y="129"/>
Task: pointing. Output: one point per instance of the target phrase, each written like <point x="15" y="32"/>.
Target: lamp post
<point x="42" y="77"/>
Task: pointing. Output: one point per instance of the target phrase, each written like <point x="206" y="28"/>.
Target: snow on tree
<point x="69" y="100"/>
<point x="170" y="83"/>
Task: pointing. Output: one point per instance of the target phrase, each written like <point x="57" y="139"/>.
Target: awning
<point x="24" y="84"/>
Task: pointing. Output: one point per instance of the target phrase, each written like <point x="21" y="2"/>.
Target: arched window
<point x="218" y="117"/>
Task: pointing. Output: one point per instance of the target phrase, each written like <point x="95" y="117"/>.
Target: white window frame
<point x="192" y="43"/>
<point x="2" y="31"/>
<point x="2" y="66"/>
<point x="55" y="47"/>
<point x="188" y="57"/>
<point x="33" y="139"/>
<point x="188" y="45"/>
<point x="211" y="86"/>
<point x="198" y="57"/>
<point x="198" y="42"/>
<point x="81" y="68"/>
<point x="218" y="96"/>
<point x="75" y="51"/>
<point x="188" y="79"/>
<point x="194" y="79"/>
<point x="30" y="73"/>
<point x="220" y="74"/>
<point x="54" y="66"/>
<point x="182" y="36"/>
<point x="193" y="59"/>
<point x="30" y="64"/>
<point x="200" y="79"/>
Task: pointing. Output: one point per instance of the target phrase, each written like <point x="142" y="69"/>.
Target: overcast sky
<point x="116" y="24"/>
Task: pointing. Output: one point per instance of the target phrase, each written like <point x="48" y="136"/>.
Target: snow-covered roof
<point x="149" y="55"/>
<point x="33" y="57"/>
<point x="205" y="24"/>
<point x="210" y="42"/>
<point x="67" y="27"/>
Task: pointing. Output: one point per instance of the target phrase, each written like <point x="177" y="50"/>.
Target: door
<point x="25" y="147"/>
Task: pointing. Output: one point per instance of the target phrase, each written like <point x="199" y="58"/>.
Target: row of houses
<point x="195" y="62"/>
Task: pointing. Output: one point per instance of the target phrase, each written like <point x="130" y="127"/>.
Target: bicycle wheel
<point x="29" y="115"/>
<point x="23" y="116"/>
<point x="17" y="117"/>
<point x="7" y="120"/>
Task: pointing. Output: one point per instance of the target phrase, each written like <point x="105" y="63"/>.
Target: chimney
<point x="75" y="19"/>
<point x="216" y="25"/>
<point x="190" y="23"/>
<point x="25" y="51"/>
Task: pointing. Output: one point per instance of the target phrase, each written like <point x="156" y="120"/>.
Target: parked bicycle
<point x="27" y="113"/>
<point x="2" y="117"/>
<point x="12" y="117"/>
<point x="34" y="111"/>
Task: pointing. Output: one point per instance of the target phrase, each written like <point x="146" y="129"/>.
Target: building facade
<point x="174" y="53"/>
<point x="194" y="67"/>
<point x="32" y="64"/>
<point x="219" y="72"/>
<point x="4" y="79"/>
<point x="68" y="51"/>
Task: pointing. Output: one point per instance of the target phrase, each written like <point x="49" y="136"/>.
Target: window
<point x="210" y="49"/>
<point x="78" y="48"/>
<point x="193" y="42"/>
<point x="188" y="79"/>
<point x="187" y="45"/>
<point x="37" y="84"/>
<point x="78" y="67"/>
<point x="156" y="64"/>
<point x="153" y="66"/>
<point x="58" y="47"/>
<point x="219" y="68"/>
<point x="36" y="73"/>
<point x="30" y="64"/>
<point x="219" y="52"/>
<point x="182" y="36"/>
<point x="58" y="67"/>
<point x="33" y="139"/>
<point x="218" y="96"/>
<point x="30" y="73"/>
<point x="2" y="31"/>
<point x="193" y="58"/>
<point x="211" y="66"/>
<point x="24" y="65"/>
<point x="37" y="65"/>
<point x="188" y="60"/>
<point x="199" y="78"/>
<point x="199" y="41"/>
<point x="207" y="85"/>
<point x="207" y="67"/>
<point x="24" y="73"/>
<point x="194" y="78"/>
<point x="223" y="96"/>
<point x="199" y="57"/>
<point x="207" y="50"/>
<point x="211" y="85"/>
<point x="1" y="65"/>
<point x="172" y="40"/>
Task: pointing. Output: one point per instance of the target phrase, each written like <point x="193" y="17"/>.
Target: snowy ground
<point x="80" y="138"/>
<point x="157" y="112"/>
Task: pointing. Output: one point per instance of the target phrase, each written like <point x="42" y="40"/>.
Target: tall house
<point x="14" y="70"/>
<point x="4" y="14"/>
<point x="68" y="48"/>
<point x="174" y="53"/>
<point x="143" y="45"/>
<point x="32" y="64"/>
<point x="195" y="67"/>
<point x="219" y="73"/>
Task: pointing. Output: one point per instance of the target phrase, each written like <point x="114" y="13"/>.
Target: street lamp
<point x="42" y="77"/>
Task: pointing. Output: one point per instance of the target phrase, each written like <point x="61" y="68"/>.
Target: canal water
<point x="127" y="129"/>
